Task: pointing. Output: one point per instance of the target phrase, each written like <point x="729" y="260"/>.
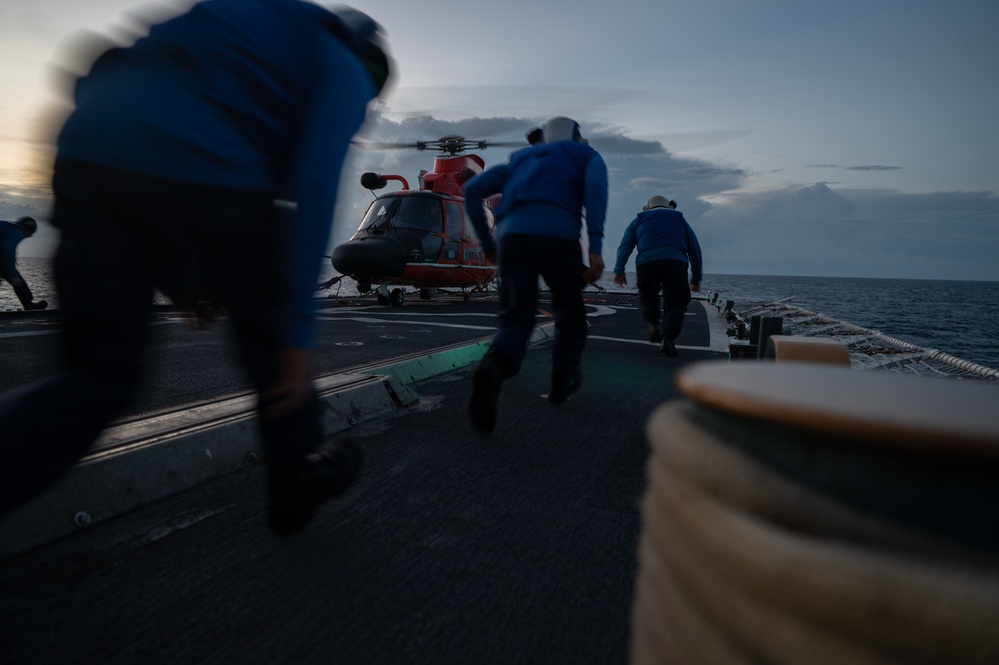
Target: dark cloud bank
<point x="810" y="230"/>
<point x="813" y="229"/>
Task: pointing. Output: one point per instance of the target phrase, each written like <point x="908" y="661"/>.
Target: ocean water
<point x="38" y="274"/>
<point x="957" y="317"/>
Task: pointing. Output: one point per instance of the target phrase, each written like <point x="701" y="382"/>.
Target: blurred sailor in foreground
<point x="666" y="245"/>
<point x="203" y="160"/>
<point x="545" y="188"/>
<point x="11" y="235"/>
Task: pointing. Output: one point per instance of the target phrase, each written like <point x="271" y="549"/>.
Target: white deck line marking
<point x="396" y="318"/>
<point x="642" y="341"/>
<point x="598" y="310"/>
<point x="28" y="333"/>
<point x="361" y="319"/>
<point x="380" y="309"/>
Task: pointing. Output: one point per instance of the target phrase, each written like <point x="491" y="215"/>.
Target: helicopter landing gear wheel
<point x="383" y="298"/>
<point x="396" y="297"/>
<point x="425" y="294"/>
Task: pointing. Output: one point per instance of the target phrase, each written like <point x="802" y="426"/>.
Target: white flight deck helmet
<point x="363" y="35"/>
<point x="561" y="128"/>
<point x="656" y="202"/>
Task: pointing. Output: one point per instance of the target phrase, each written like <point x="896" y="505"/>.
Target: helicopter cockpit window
<point x="376" y="218"/>
<point x="419" y="213"/>
<point x="403" y="212"/>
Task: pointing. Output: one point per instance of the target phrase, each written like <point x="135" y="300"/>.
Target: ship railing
<point x="869" y="349"/>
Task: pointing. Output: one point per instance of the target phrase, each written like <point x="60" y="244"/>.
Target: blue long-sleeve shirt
<point x="10" y="236"/>
<point x="660" y="233"/>
<point x="544" y="190"/>
<point x="252" y="95"/>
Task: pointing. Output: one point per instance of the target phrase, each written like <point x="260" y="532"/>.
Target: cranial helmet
<point x="362" y="35"/>
<point x="561" y="129"/>
<point x="27" y="224"/>
<point x="656" y="202"/>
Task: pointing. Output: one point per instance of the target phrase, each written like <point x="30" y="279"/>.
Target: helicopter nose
<point x="370" y="256"/>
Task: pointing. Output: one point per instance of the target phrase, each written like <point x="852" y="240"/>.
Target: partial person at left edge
<point x="204" y="161"/>
<point x="11" y="235"/>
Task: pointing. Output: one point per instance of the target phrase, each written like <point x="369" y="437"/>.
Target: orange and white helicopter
<point x="419" y="237"/>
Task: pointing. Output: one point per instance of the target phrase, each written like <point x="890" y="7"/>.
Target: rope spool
<point x="785" y="348"/>
<point x="741" y="561"/>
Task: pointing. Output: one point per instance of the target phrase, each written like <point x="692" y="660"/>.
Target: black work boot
<point x="486" y="382"/>
<point x="41" y="304"/>
<point x="297" y="489"/>
<point x="668" y="347"/>
<point x="654" y="334"/>
<point x="564" y="383"/>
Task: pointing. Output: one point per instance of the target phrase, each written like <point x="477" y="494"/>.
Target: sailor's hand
<point x="695" y="287"/>
<point x="596" y="269"/>
<point x="620" y="280"/>
<point x="294" y="385"/>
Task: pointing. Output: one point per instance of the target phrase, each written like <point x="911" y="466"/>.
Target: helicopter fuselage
<point x="418" y="237"/>
<point x="421" y="238"/>
<point x="415" y="237"/>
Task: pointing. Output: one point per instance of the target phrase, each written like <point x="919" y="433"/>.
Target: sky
<point x="848" y="139"/>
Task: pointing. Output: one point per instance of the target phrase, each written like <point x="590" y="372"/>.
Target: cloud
<point x="618" y="144"/>
<point x="819" y="231"/>
<point x="712" y="171"/>
<point x="870" y="167"/>
<point x="815" y="229"/>
<point x="24" y="200"/>
<point x="686" y="141"/>
<point x="873" y="168"/>
<point x="532" y="101"/>
<point x="647" y="183"/>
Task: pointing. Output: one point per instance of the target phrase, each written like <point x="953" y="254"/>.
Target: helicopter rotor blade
<point x="482" y="145"/>
<point x="392" y="145"/>
<point x="446" y="144"/>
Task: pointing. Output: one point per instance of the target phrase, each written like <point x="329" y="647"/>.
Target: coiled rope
<point x="739" y="563"/>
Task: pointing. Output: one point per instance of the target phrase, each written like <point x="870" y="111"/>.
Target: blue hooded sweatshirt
<point x="10" y="237"/>
<point x="251" y="95"/>
<point x="660" y="233"/>
<point x="545" y="188"/>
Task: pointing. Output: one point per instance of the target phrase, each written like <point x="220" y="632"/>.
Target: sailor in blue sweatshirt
<point x="545" y="188"/>
<point x="11" y="235"/>
<point x="203" y="160"/>
<point x="666" y="246"/>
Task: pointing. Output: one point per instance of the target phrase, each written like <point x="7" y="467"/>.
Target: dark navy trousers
<point x="122" y="236"/>
<point x="19" y="285"/>
<point x="522" y="259"/>
<point x="667" y="277"/>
